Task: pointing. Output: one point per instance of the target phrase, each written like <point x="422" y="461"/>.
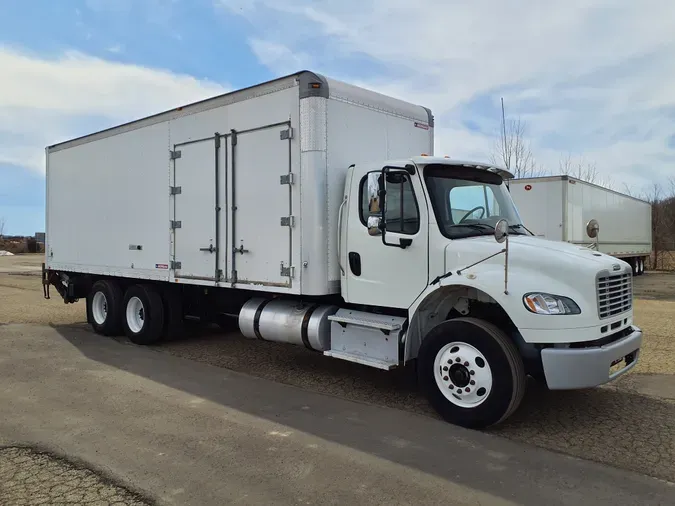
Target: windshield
<point x="469" y="202"/>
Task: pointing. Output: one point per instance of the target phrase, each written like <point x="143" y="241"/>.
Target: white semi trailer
<point x="564" y="208"/>
<point x="311" y="211"/>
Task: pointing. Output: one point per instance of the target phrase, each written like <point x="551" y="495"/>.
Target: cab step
<point x="366" y="338"/>
<point x="362" y="359"/>
<point x="384" y="323"/>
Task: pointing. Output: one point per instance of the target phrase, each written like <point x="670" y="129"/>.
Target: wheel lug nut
<point x="451" y="387"/>
<point x="472" y="373"/>
<point x="445" y="367"/>
<point x="467" y="390"/>
<point x="445" y="378"/>
<point x="466" y="364"/>
<point x="472" y="382"/>
<point x="458" y="359"/>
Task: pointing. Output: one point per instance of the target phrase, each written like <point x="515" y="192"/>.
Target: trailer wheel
<point x="104" y="307"/>
<point x="471" y="373"/>
<point x="642" y="266"/>
<point x="143" y="314"/>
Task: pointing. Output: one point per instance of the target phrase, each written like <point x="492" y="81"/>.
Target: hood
<point x="531" y="252"/>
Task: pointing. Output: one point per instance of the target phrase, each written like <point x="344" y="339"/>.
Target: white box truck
<point x="311" y="212"/>
<point x="564" y="208"/>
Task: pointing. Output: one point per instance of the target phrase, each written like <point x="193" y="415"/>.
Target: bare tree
<point x="2" y="226"/>
<point x="586" y="171"/>
<point x="512" y="151"/>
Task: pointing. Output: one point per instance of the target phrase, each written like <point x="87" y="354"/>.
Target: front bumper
<point x="574" y="368"/>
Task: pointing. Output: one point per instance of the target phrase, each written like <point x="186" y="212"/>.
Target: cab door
<point x="391" y="268"/>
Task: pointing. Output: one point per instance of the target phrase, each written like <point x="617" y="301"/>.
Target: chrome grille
<point x="615" y="294"/>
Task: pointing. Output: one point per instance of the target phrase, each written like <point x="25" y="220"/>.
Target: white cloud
<point x="278" y="57"/>
<point x="44" y="101"/>
<point x="591" y="77"/>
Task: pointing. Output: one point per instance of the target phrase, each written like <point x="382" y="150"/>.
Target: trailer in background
<point x="563" y="208"/>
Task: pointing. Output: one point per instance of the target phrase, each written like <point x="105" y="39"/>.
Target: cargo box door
<point x="194" y="225"/>
<point x="262" y="221"/>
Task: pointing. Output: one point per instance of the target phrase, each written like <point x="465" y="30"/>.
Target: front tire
<point x="104" y="307"/>
<point x="143" y="314"/>
<point x="471" y="373"/>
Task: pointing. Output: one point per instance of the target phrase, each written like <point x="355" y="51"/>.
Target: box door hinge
<point x="175" y="190"/>
<point x="175" y="224"/>
<point x="286" y="179"/>
<point x="288" y="221"/>
<point x="286" y="134"/>
<point x="288" y="271"/>
<point x="174" y="154"/>
<point x="175" y="265"/>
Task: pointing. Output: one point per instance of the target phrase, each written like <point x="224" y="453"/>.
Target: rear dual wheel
<point x="138" y="312"/>
<point x="471" y="372"/>
<point x="104" y="307"/>
<point x="143" y="317"/>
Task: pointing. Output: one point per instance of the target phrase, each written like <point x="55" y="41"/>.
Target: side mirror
<point x="501" y="231"/>
<point x="593" y="228"/>
<point x="393" y="175"/>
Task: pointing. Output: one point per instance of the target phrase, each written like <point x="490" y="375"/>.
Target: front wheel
<point x="471" y="372"/>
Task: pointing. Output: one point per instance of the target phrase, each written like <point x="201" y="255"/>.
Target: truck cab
<point x="486" y="302"/>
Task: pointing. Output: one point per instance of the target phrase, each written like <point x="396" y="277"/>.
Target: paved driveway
<point x="180" y="432"/>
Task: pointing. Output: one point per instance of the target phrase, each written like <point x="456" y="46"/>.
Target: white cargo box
<point x="240" y="190"/>
<point x="560" y="207"/>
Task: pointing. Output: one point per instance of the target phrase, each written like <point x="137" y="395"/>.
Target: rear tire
<point x="471" y="373"/>
<point x="143" y="314"/>
<point x="104" y="307"/>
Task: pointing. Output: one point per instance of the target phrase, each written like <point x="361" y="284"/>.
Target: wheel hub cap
<point x="459" y="375"/>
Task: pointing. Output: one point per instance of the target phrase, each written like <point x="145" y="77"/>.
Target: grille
<point x="615" y="294"/>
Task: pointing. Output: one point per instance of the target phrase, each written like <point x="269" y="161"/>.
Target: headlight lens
<point x="545" y="303"/>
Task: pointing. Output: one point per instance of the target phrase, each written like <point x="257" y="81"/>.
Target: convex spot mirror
<point x="593" y="228"/>
<point x="501" y="231"/>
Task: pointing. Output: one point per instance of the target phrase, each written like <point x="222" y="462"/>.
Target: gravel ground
<point x="32" y="477"/>
<point x="629" y="424"/>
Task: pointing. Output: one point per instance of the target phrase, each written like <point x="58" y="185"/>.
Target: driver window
<point x="402" y="213"/>
<point x="472" y="202"/>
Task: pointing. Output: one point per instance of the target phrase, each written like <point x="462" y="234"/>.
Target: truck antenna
<point x="504" y="132"/>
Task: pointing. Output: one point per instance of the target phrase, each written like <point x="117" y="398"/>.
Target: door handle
<point x="210" y="249"/>
<point x="355" y="263"/>
<point x="240" y="249"/>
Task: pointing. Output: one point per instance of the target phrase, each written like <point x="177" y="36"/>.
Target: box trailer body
<point x="309" y="211"/>
<point x="561" y="207"/>
<point x="242" y="190"/>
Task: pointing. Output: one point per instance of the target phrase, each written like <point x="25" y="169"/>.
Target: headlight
<point x="545" y="303"/>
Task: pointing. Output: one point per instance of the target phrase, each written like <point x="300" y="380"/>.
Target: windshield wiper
<point x="477" y="226"/>
<point x="520" y="225"/>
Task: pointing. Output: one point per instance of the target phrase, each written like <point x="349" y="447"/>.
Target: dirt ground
<point x="628" y="424"/>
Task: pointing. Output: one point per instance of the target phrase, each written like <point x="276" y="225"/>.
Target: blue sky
<point x="593" y="80"/>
